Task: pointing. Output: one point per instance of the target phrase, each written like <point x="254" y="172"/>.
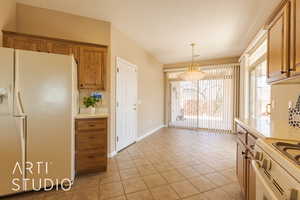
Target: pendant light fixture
<point x="193" y="73"/>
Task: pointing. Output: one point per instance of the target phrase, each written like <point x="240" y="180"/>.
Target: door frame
<point x="118" y="61"/>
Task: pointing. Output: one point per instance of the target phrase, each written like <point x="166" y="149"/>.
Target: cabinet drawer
<point x="97" y="124"/>
<point x="251" y="140"/>
<point x="90" y="140"/>
<point x="242" y="134"/>
<point x="90" y="161"/>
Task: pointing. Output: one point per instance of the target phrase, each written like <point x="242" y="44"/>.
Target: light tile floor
<point x="170" y="164"/>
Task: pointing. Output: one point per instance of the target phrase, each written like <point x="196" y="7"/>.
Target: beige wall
<point x="150" y="82"/>
<point x="56" y="24"/>
<point x="7" y="16"/>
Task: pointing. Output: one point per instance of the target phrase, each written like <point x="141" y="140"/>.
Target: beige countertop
<point x="270" y="129"/>
<point x="90" y="116"/>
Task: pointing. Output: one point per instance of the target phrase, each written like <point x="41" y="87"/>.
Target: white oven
<point x="273" y="182"/>
<point x="264" y="188"/>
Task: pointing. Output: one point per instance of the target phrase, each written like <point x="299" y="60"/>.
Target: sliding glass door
<point x="204" y="104"/>
<point x="184" y="108"/>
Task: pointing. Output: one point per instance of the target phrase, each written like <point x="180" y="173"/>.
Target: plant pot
<point x="92" y="110"/>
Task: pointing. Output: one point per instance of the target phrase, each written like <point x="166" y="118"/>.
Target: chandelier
<point x="193" y="73"/>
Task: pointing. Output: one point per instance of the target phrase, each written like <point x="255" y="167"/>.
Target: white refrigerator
<point x="38" y="99"/>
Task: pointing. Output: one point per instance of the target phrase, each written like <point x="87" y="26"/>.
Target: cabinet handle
<point x="294" y="194"/>
<point x="91" y="156"/>
<point x="252" y="146"/>
<point x="92" y="125"/>
<point x="243" y="153"/>
<point x="283" y="72"/>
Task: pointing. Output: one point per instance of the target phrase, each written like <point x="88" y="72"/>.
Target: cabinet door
<point x="59" y="47"/>
<point x="241" y="167"/>
<point x="76" y="53"/>
<point x="92" y="68"/>
<point x="251" y="181"/>
<point x="295" y="37"/>
<point x="278" y="45"/>
<point x="24" y="42"/>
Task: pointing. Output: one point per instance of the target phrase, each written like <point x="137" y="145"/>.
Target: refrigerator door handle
<point x="20" y="107"/>
<point x="20" y="103"/>
<point x="10" y="99"/>
<point x="22" y="126"/>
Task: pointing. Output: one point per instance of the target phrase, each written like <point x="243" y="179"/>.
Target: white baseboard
<point x="150" y="132"/>
<point x="112" y="154"/>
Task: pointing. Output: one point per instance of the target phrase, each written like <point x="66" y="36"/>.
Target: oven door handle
<point x="262" y="180"/>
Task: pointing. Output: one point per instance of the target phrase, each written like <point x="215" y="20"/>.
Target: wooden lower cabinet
<point x="91" y="145"/>
<point x="251" y="180"/>
<point x="244" y="156"/>
<point x="241" y="167"/>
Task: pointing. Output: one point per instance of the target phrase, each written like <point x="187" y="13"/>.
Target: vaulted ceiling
<point x="165" y="28"/>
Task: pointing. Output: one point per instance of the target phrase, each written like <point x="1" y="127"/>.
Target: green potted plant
<point x="92" y="101"/>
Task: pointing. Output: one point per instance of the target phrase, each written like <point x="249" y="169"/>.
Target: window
<point x="206" y="104"/>
<point x="259" y="90"/>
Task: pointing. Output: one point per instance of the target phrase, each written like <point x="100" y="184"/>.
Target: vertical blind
<point x="208" y="104"/>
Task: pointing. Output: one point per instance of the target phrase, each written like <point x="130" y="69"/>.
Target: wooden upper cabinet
<point x="295" y="38"/>
<point x="59" y="47"/>
<point x="278" y="45"/>
<point x="90" y="58"/>
<point x="92" y="68"/>
<point x="23" y="42"/>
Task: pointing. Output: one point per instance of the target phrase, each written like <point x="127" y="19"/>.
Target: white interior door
<point x="126" y="116"/>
